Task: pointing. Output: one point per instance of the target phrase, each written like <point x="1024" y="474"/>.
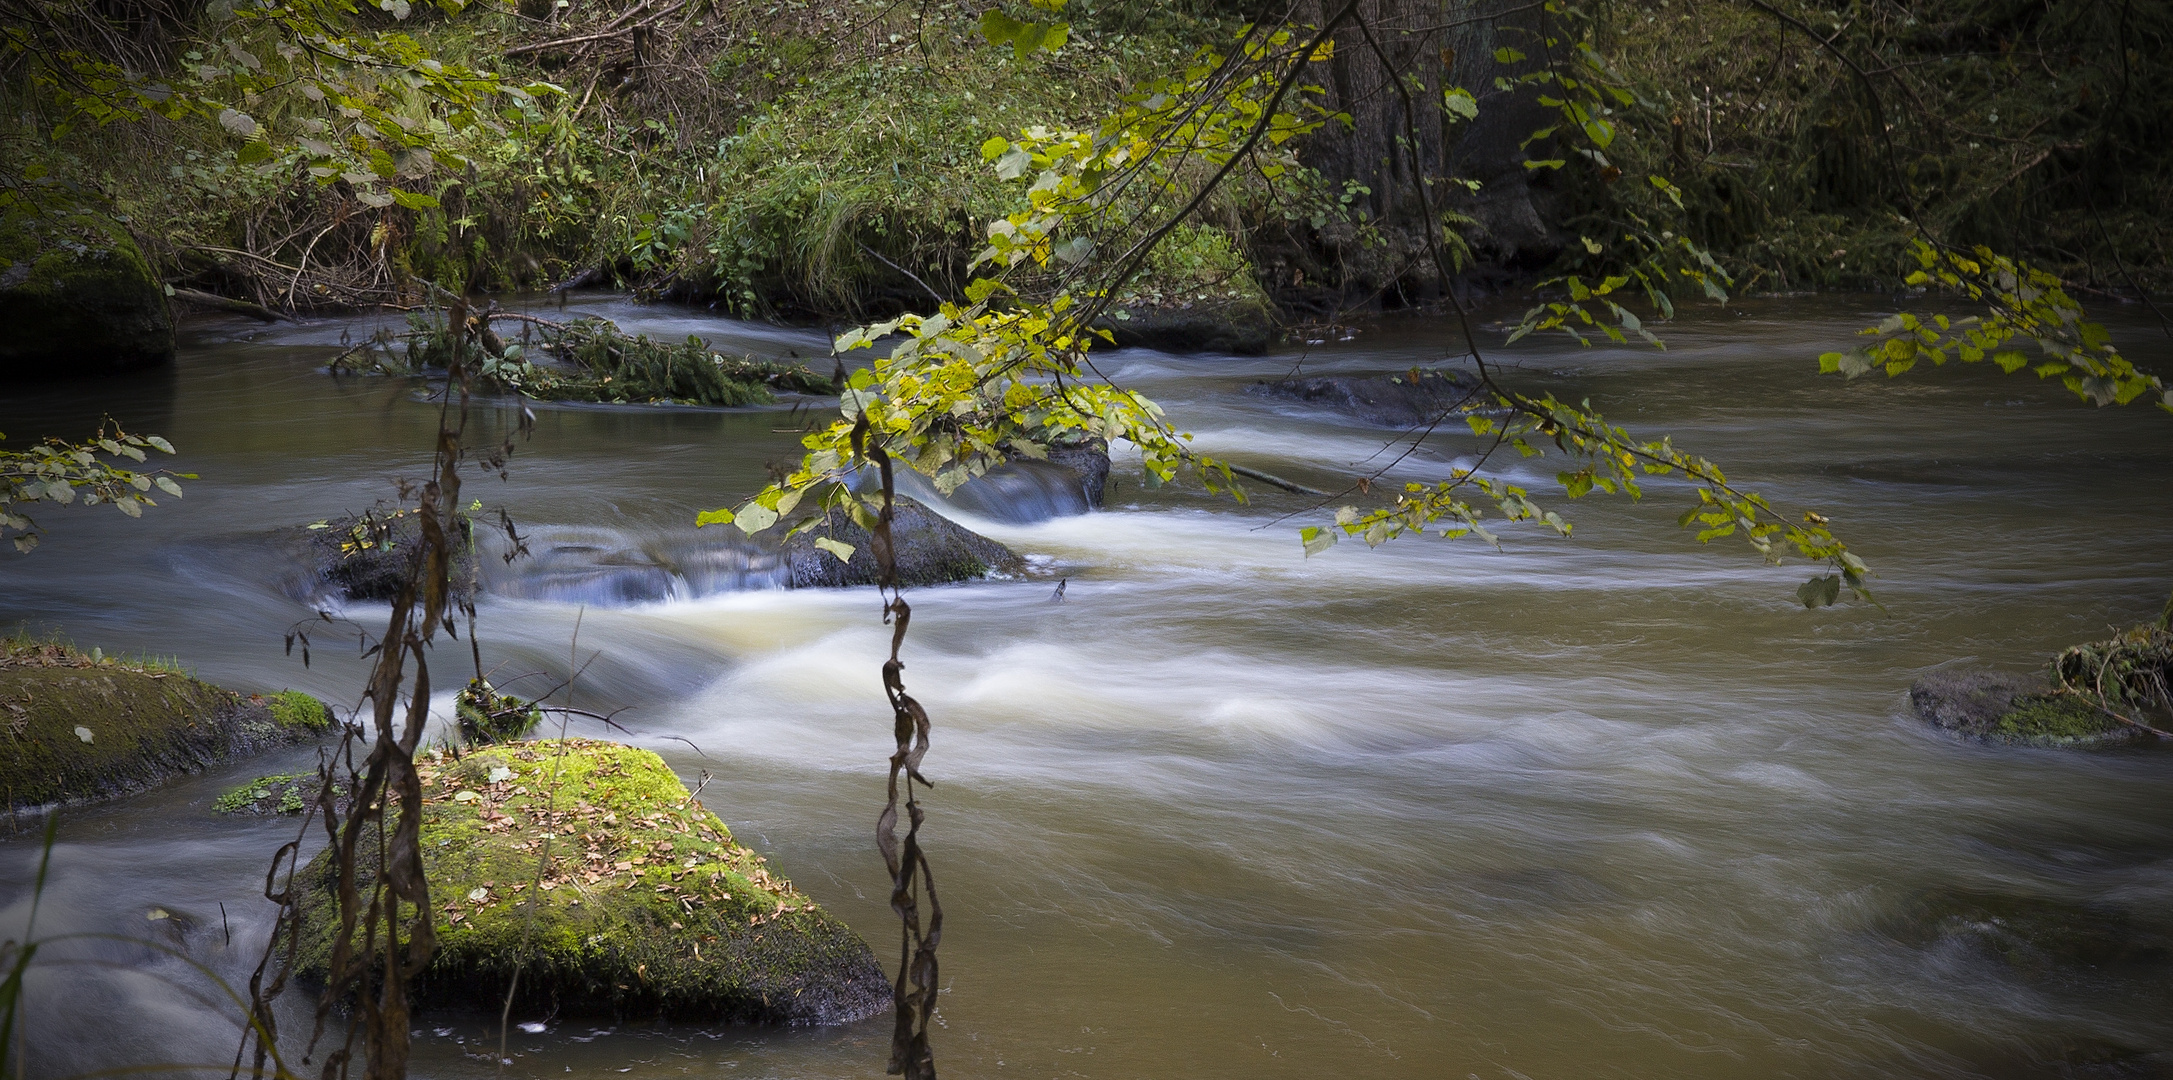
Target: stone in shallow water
<point x="278" y="793"/>
<point x="588" y="868"/>
<point x="2000" y="707"/>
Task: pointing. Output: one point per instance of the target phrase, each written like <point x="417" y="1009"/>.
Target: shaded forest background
<point x="820" y="159"/>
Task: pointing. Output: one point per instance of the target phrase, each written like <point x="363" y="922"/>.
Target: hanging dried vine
<point x="382" y="936"/>
<point x="914" y="993"/>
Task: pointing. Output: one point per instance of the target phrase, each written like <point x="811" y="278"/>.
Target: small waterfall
<point x="1021" y="492"/>
<point x="616" y="568"/>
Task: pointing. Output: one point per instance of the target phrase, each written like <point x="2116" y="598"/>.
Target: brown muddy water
<point x="1613" y="806"/>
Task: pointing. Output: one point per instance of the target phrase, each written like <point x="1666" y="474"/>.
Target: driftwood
<point x="228" y="304"/>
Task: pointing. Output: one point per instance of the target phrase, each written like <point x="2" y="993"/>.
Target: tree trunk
<point x="1393" y="147"/>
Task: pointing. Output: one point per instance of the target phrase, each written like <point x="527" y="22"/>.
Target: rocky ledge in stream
<point x="587" y="868"/>
<point x="1412" y="399"/>
<point x="1999" y="707"/>
<point x="84" y="727"/>
<point x="616" y="567"/>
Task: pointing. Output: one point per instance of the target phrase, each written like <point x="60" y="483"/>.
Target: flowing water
<point x="1607" y="806"/>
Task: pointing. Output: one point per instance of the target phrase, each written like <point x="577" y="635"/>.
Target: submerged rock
<point x="1412" y="399"/>
<point x="587" y="868"/>
<point x="79" y="729"/>
<point x="76" y="296"/>
<point x="931" y="550"/>
<point x="2038" y="938"/>
<point x="1998" y="707"/>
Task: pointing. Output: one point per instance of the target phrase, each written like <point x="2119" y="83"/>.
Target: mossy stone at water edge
<point x="144" y="725"/>
<point x="76" y="296"/>
<point x="2019" y="709"/>
<point x="588" y="868"/>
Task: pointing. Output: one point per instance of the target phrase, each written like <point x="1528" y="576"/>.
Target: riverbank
<point x="82" y="727"/>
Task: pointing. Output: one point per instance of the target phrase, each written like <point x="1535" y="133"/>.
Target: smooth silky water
<point x="1607" y="806"/>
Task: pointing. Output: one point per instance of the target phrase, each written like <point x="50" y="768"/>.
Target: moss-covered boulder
<point x="931" y="550"/>
<point x="77" y="729"/>
<point x="587" y="868"/>
<point x="76" y="296"/>
<point x="1999" y="707"/>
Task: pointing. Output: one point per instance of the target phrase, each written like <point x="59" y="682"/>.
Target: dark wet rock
<point x="932" y="550"/>
<point x="144" y="725"/>
<point x="644" y="907"/>
<point x="2038" y="938"/>
<point x="2000" y="707"/>
<point x="1239" y="325"/>
<point x="369" y="557"/>
<point x="76" y="296"/>
<point x="1088" y="461"/>
<point x="1411" y="399"/>
<point x="1025" y="490"/>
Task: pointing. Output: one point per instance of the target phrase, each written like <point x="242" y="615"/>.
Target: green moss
<point x="587" y="867"/>
<point x="280" y="793"/>
<point x="299" y="711"/>
<point x="2055" y="719"/>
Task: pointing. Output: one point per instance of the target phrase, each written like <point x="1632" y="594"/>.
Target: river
<point x="1614" y="805"/>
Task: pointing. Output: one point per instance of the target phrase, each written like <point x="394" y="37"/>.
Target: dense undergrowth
<point x="822" y="159"/>
<point x="2037" y="129"/>
<point x="798" y="160"/>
